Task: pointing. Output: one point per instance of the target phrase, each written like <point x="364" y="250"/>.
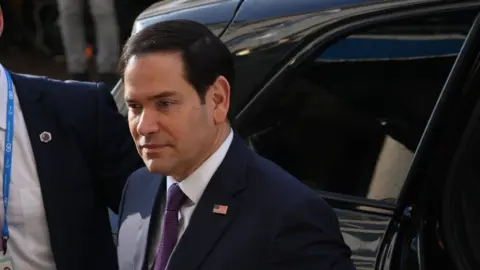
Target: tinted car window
<point x="350" y="120"/>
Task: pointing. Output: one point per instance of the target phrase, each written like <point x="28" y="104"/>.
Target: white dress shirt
<point x="29" y="243"/>
<point x="193" y="187"/>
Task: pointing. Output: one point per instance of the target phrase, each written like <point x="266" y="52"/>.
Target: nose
<point x="147" y="123"/>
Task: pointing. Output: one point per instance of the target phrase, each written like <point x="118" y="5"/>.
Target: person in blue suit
<point x="65" y="155"/>
<point x="204" y="199"/>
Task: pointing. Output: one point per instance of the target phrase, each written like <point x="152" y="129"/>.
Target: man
<point x="72" y="24"/>
<point x="65" y="154"/>
<point x="220" y="206"/>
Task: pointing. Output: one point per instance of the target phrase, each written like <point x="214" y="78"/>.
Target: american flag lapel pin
<point x="220" y="209"/>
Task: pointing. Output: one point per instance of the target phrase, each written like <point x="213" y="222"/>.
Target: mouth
<point x="152" y="148"/>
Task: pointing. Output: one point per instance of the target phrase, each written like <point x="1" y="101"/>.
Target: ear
<point x="220" y="98"/>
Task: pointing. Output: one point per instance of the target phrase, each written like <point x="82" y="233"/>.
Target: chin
<point x="157" y="166"/>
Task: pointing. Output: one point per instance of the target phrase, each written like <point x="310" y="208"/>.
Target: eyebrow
<point x="165" y="94"/>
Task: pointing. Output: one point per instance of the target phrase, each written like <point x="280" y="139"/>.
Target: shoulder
<point x="281" y="191"/>
<point x="298" y="209"/>
<point x="74" y="101"/>
<point x="277" y="182"/>
<point x="70" y="95"/>
<point x="74" y="91"/>
<point x="59" y="87"/>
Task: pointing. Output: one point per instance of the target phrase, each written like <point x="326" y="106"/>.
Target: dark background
<point x="20" y="53"/>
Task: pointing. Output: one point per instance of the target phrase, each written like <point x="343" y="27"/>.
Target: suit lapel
<point x="206" y="227"/>
<point x="154" y="226"/>
<point x="49" y="157"/>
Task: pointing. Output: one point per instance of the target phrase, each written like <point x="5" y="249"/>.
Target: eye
<point x="135" y="108"/>
<point x="164" y="104"/>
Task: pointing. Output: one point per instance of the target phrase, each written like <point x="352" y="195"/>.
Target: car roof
<point x="265" y="34"/>
<point x="262" y="9"/>
<point x="262" y="33"/>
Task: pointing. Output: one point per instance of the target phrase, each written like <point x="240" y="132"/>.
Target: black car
<point x="374" y="104"/>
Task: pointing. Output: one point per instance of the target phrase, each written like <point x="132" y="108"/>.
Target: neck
<point x="219" y="137"/>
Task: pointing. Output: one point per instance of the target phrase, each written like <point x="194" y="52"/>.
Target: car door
<point x="442" y="187"/>
<point x="347" y="112"/>
<point x="437" y="211"/>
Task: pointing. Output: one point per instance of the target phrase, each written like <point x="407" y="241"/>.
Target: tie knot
<point x="176" y="198"/>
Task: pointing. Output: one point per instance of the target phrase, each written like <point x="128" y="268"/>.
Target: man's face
<point x="172" y="128"/>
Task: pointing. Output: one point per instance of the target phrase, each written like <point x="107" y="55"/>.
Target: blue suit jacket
<point x="273" y="221"/>
<point x="82" y="170"/>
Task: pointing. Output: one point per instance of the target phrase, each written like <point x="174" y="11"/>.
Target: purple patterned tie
<point x="169" y="235"/>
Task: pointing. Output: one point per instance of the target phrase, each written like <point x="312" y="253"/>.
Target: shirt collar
<point x="3" y="98"/>
<point x="194" y="185"/>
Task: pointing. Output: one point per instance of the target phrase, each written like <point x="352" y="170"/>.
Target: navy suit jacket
<point x="273" y="221"/>
<point x="82" y="170"/>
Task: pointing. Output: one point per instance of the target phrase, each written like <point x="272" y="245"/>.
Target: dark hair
<point x="205" y="57"/>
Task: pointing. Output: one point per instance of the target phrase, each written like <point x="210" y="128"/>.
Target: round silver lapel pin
<point x="45" y="137"/>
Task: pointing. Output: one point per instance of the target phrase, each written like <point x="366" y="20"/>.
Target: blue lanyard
<point x="7" y="165"/>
